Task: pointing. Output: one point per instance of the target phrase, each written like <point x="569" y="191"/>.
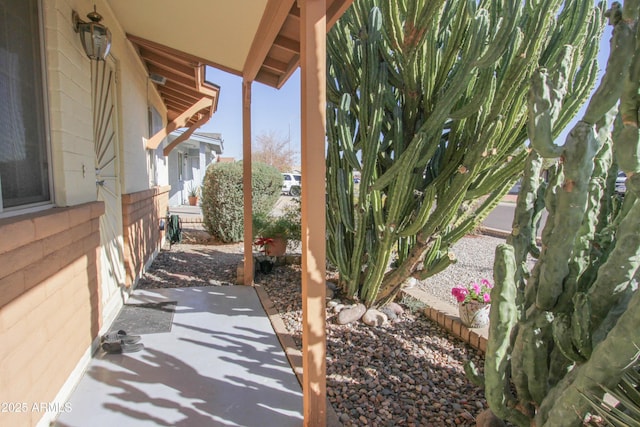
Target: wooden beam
<point x="287" y="44"/>
<point x="196" y="59"/>
<point x="247" y="276"/>
<point x="186" y="134"/>
<point x="162" y="61"/>
<point x="170" y="74"/>
<point x="172" y="96"/>
<point x="205" y="87"/>
<point x="313" y="91"/>
<point x="268" y="78"/>
<point x="336" y="10"/>
<point x="275" y="13"/>
<point x="273" y="64"/>
<point x="179" y="122"/>
<point x="188" y="91"/>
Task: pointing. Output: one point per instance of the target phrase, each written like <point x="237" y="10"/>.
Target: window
<point x="24" y="159"/>
<point x="180" y="166"/>
<point x="155" y="124"/>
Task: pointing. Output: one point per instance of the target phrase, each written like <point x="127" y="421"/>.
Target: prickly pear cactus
<point x="578" y="310"/>
<point x="427" y="104"/>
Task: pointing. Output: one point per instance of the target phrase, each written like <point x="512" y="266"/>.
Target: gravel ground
<point x="406" y="373"/>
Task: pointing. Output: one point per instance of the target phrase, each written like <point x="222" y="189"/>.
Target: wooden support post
<point x="313" y="90"/>
<point x="246" y="182"/>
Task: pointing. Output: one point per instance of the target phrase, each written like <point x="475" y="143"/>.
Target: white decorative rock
<point x="396" y="308"/>
<point x="374" y="317"/>
<point x="351" y="314"/>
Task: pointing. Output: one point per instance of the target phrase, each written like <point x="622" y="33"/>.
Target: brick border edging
<point x="446" y="316"/>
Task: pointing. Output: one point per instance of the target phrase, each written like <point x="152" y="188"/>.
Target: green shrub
<point x="222" y="201"/>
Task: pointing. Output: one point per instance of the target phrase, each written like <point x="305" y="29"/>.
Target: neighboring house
<point x="188" y="163"/>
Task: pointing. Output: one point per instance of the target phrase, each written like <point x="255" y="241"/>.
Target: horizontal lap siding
<point x="49" y="302"/>
<point x="141" y="215"/>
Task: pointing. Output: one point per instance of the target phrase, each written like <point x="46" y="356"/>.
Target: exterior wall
<point x="49" y="303"/>
<point x="70" y="115"/>
<point x="50" y="310"/>
<point x="141" y="213"/>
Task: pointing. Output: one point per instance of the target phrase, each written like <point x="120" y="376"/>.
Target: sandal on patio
<point x="120" y="336"/>
<point x="118" y="347"/>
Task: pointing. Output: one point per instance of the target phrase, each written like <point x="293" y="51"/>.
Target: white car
<point x="291" y="183"/>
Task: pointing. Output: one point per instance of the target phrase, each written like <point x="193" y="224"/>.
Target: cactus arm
<point x="581" y="146"/>
<point x="523" y="228"/>
<point x="537" y="339"/>
<point x="628" y="150"/>
<point x="545" y="102"/>
<point x="503" y="318"/>
<point x="605" y="366"/>
<point x="621" y="47"/>
<point x="616" y="273"/>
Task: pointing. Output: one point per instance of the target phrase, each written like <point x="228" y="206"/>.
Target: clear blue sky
<point x="279" y="110"/>
<point x="271" y="110"/>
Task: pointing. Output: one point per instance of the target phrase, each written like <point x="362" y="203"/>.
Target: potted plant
<point x="276" y="234"/>
<point x="193" y="193"/>
<point x="474" y="303"/>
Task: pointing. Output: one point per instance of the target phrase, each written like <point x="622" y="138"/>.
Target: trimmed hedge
<point x="222" y="203"/>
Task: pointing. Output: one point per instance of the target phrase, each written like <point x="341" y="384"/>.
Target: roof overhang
<point x="256" y="39"/>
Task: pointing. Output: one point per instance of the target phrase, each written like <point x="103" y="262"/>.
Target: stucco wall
<point x="70" y="114"/>
<point x="70" y="118"/>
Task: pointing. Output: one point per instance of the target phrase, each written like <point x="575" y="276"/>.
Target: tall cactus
<point x="427" y="102"/>
<point x="577" y="323"/>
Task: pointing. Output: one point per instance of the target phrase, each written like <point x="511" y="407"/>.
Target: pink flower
<point x="486" y="297"/>
<point x="486" y="283"/>
<point x="476" y="288"/>
<point x="459" y="293"/>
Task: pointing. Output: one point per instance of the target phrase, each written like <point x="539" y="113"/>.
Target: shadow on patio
<point x="220" y="365"/>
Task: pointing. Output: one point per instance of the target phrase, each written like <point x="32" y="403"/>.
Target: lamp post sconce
<point x="95" y="37"/>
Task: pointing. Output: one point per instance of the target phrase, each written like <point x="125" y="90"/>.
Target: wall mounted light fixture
<point x="95" y="37"/>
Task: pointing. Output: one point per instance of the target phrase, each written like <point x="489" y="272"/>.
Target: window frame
<point x="48" y="152"/>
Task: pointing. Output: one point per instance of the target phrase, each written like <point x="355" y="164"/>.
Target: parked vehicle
<point x="621" y="183"/>
<point x="291" y="183"/>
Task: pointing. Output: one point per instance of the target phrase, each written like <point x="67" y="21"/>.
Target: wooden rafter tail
<point x="186" y="134"/>
<point x="181" y="121"/>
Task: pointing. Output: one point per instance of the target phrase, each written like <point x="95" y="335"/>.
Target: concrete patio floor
<point x="220" y="365"/>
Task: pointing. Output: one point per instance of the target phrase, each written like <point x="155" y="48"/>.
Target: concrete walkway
<point x="220" y="365"/>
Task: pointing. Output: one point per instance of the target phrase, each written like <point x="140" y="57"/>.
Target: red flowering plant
<point x="263" y="242"/>
<point x="474" y="291"/>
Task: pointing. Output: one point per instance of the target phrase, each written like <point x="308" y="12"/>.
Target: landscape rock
<point x="396" y="308"/>
<point x="373" y="317"/>
<point x="330" y="294"/>
<point x="338" y="308"/>
<point x="351" y="314"/>
<point x="486" y="418"/>
<point x="391" y="315"/>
